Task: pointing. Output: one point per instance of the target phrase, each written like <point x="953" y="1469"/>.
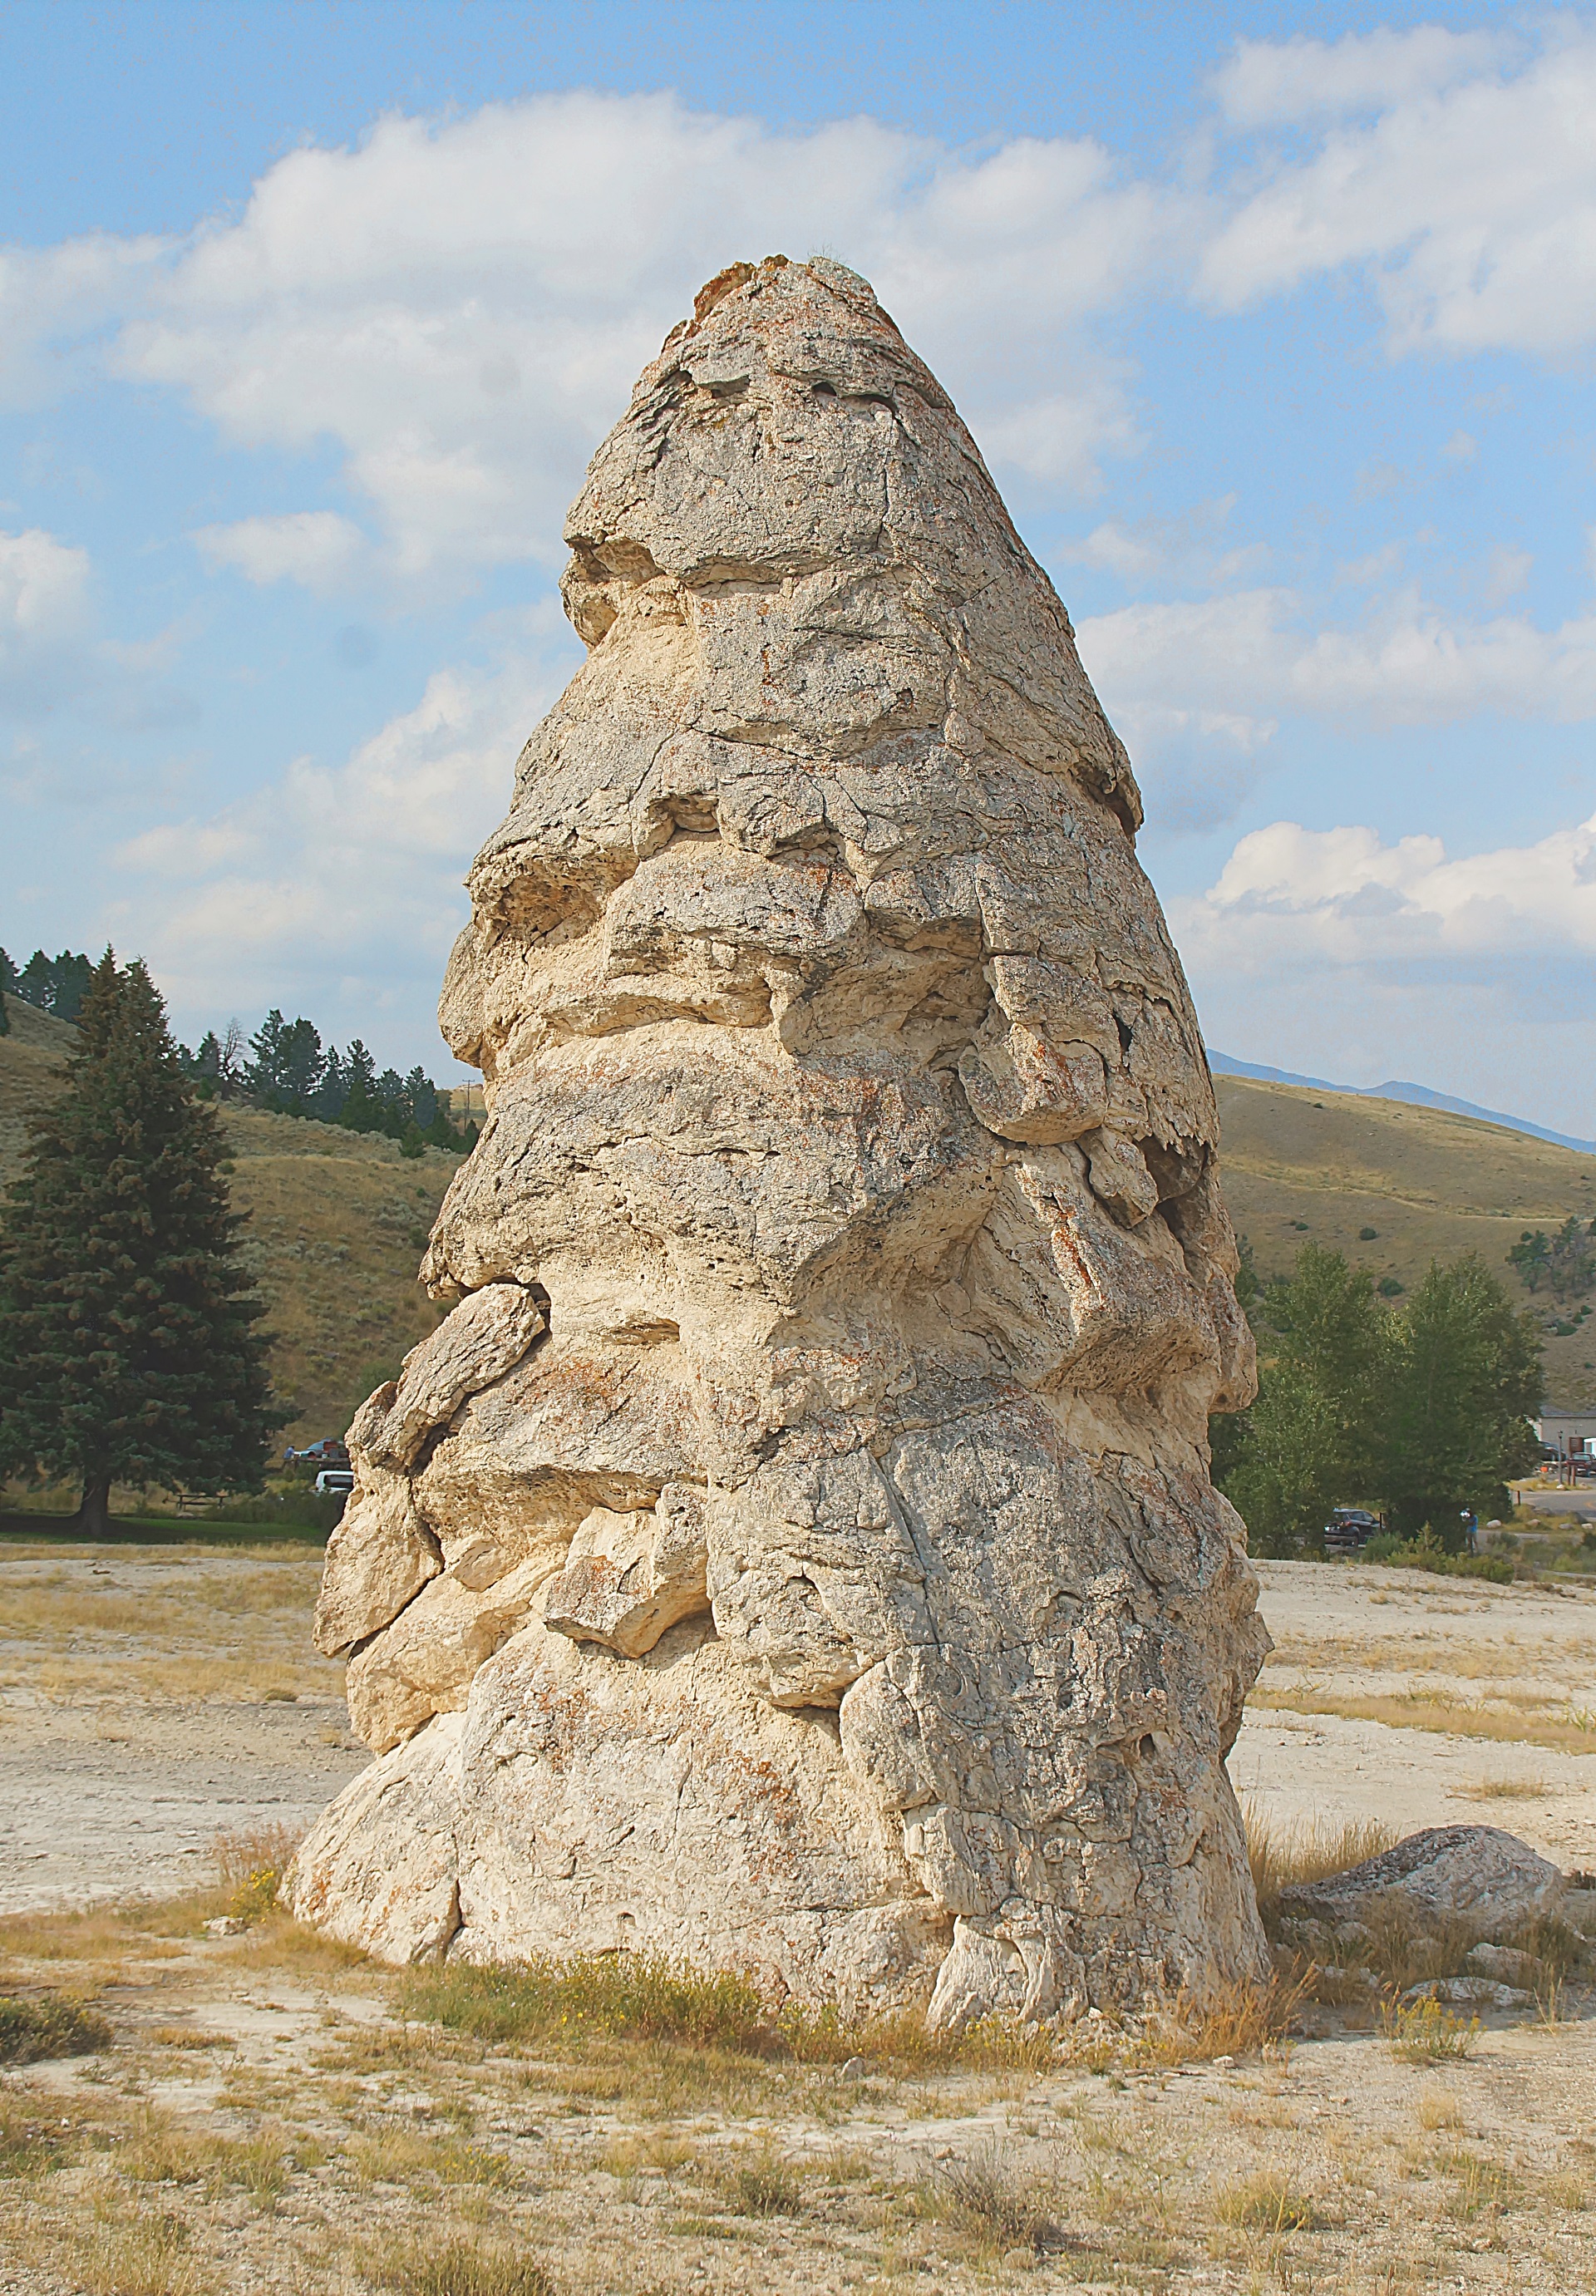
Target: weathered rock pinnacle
<point x="796" y="1550"/>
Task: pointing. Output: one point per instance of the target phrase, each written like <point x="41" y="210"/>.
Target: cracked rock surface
<point x="796" y="1550"/>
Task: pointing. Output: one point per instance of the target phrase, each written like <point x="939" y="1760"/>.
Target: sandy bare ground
<point x="151" y="1698"/>
<point x="273" y="2115"/>
<point x="1506" y="1675"/>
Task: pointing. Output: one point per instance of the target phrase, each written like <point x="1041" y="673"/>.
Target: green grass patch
<point x="639" y="1997"/>
<point x="160" y="1531"/>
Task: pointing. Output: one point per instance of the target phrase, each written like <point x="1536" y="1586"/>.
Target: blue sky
<point x="1275" y="325"/>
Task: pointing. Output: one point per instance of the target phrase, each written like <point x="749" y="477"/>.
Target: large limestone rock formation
<point x="796" y="1550"/>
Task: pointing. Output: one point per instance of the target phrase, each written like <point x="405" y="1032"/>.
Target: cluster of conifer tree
<point x="55" y="984"/>
<point x="1565" y="1262"/>
<point x="1418" y="1412"/>
<point x="284" y="1066"/>
<point x="130" y="1347"/>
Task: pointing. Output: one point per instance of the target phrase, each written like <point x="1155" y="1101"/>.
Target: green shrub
<point x="1423" y="1553"/>
<point x="303" y="1507"/>
<point x="1422" y="2033"/>
<point x="53" y="2028"/>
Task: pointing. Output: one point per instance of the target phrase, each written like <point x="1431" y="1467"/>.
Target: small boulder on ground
<point x="1476" y="1874"/>
<point x="1506" y="1966"/>
<point x="1477" y="1992"/>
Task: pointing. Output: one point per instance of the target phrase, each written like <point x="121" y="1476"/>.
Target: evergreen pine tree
<point x="129" y="1350"/>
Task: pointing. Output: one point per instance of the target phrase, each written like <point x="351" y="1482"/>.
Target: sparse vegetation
<point x="1285" y="1856"/>
<point x="644" y="1997"/>
<point x="55" y="2027"/>
<point x="1423" y="2033"/>
<point x="1432" y="1183"/>
<point x="337" y="1220"/>
<point x="1267" y="2202"/>
<point x="456" y="2268"/>
<point x="141" y="2253"/>
<point x="1426" y="1552"/>
<point x="1572" y="1730"/>
<point x="128" y="1351"/>
<point x="762" y="2184"/>
<point x="999" y="2201"/>
<point x="251" y="1866"/>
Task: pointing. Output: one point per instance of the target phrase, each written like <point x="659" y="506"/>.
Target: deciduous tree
<point x="1465" y="1378"/>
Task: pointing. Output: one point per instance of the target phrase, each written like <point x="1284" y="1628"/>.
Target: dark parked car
<point x="330" y="1452"/>
<point x="1349" y="1529"/>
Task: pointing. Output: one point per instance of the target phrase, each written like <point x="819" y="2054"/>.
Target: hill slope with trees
<point x="340" y="1217"/>
<point x="1392" y="1186"/>
<point x="339" y="1220"/>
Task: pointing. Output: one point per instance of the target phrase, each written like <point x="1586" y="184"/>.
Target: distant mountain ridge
<point x="1417" y="1095"/>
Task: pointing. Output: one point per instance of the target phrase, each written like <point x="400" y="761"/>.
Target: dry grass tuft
<point x="140" y="2255"/>
<point x="28" y="2146"/>
<point x="1240" y="2020"/>
<point x="993" y="2201"/>
<point x="643" y="1996"/>
<point x="1437" y="2108"/>
<point x="1282" y="1857"/>
<point x="1266" y="2201"/>
<point x="760" y="2185"/>
<point x="1481" y="2184"/>
<point x="250" y="1865"/>
<point x="1559" y="1949"/>
<point x="650" y="1999"/>
<point x="1572" y="1732"/>
<point x="160" y="2149"/>
<point x="404" y="2156"/>
<point x="456" y="2268"/>
<point x="1502" y="1790"/>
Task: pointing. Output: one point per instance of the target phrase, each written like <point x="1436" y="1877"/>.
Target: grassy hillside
<point x="1304" y="1166"/>
<point x="338" y="1224"/>
<point x="339" y="1219"/>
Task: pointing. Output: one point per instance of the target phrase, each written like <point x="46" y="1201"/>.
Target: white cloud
<point x="1249" y="654"/>
<point x="1337" y="954"/>
<point x="1307" y="898"/>
<point x="44" y="618"/>
<point x="1197" y="688"/>
<point x="54" y="300"/>
<point x="1268" y="83"/>
<point x="316" y="547"/>
<point x="1507" y="572"/>
<point x="1469" y="197"/>
<point x="1185" y="549"/>
<point x="460" y="306"/>
<point x="349" y="874"/>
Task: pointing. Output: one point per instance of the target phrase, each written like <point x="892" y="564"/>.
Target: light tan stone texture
<point x="827" y="1576"/>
